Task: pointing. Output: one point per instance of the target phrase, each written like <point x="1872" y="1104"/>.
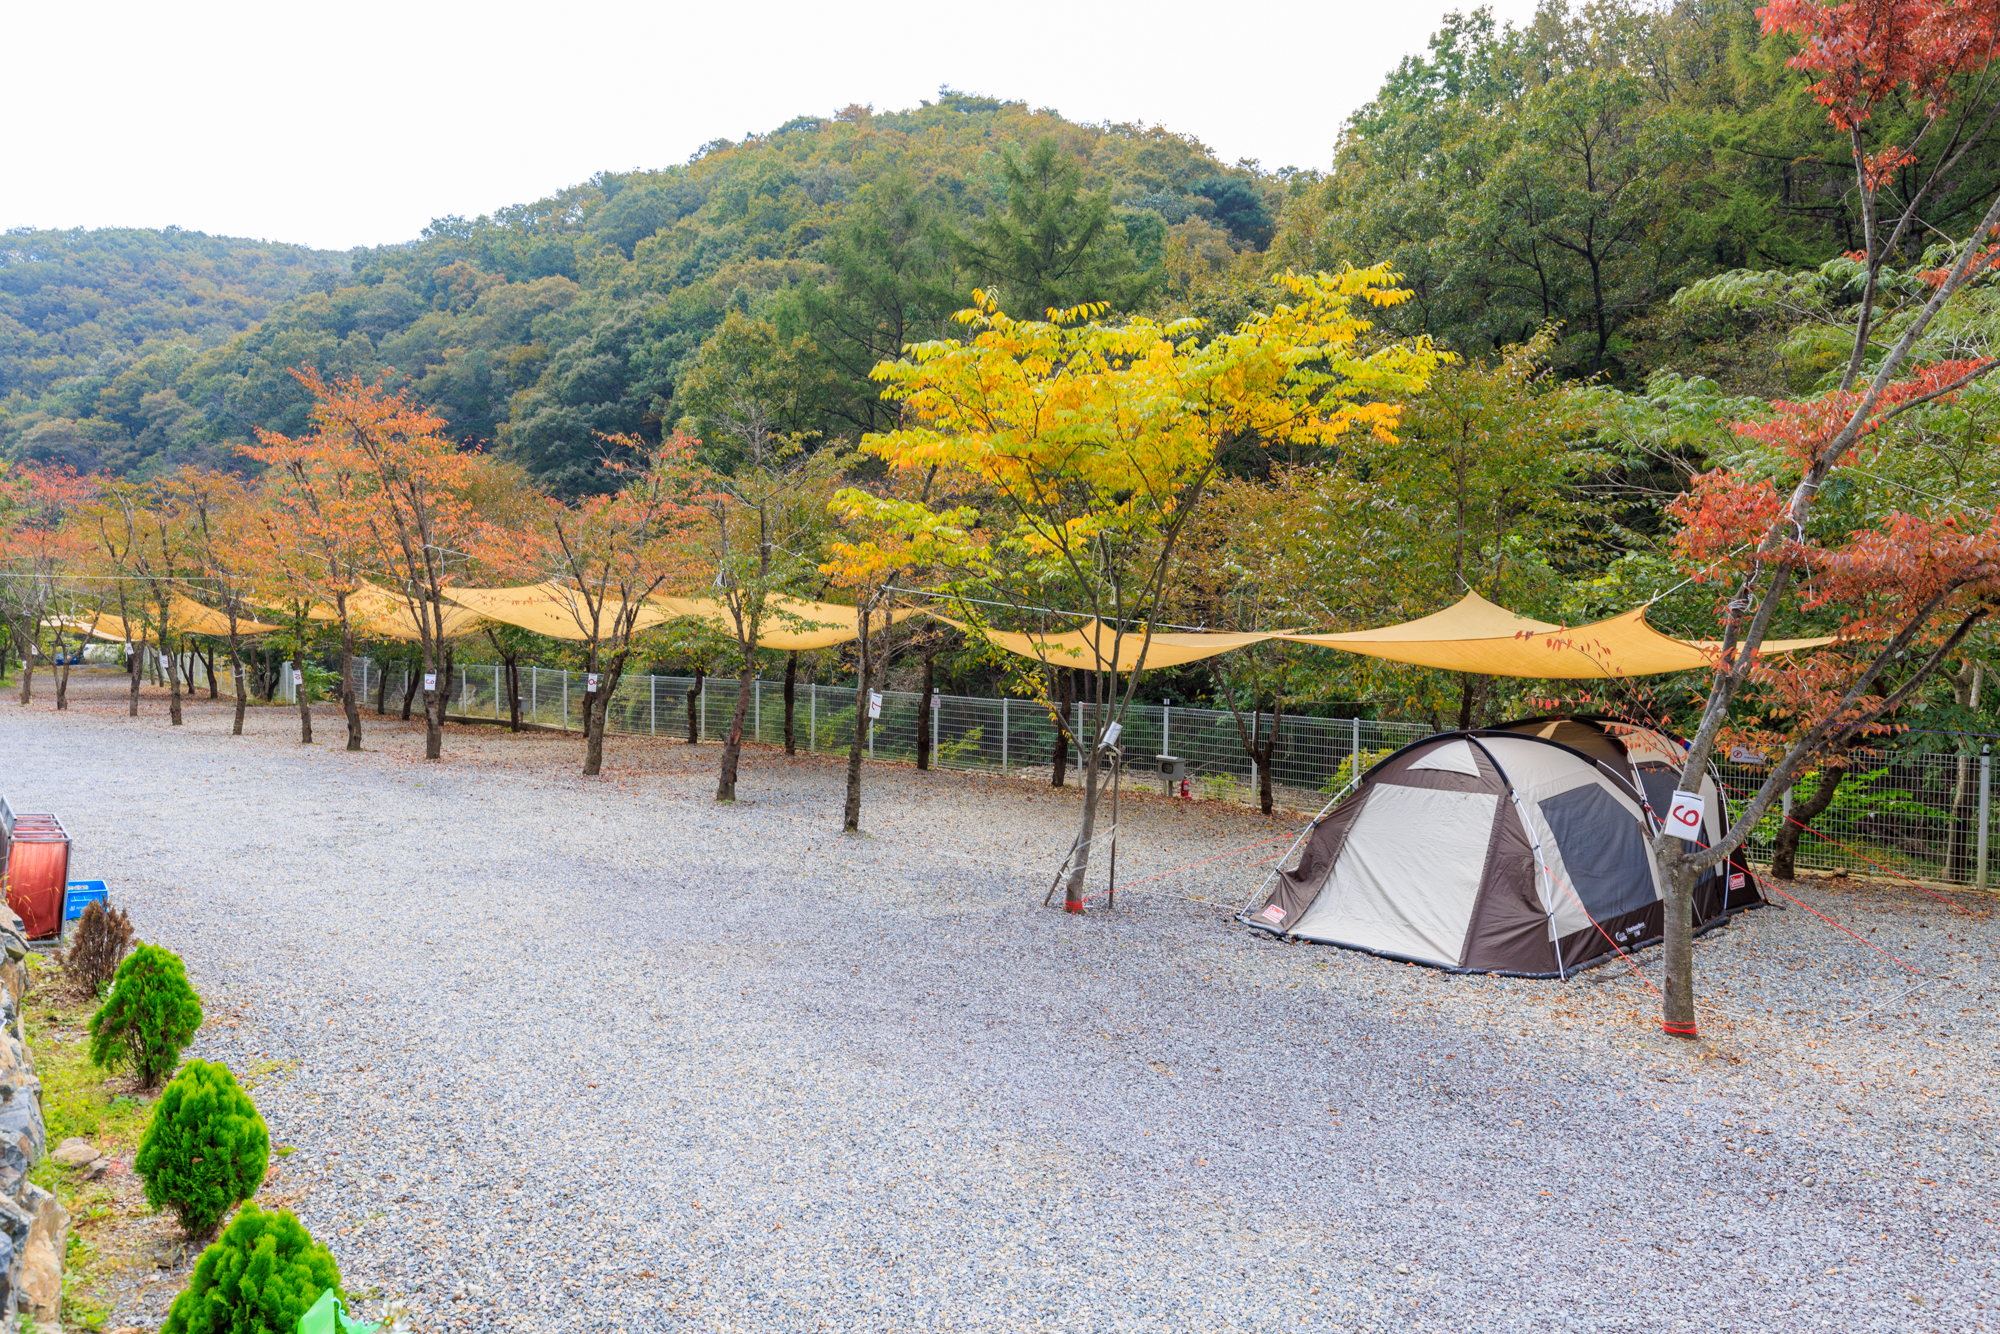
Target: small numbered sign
<point x="1684" y="817"/>
<point x="590" y="681"/>
<point x="430" y="680"/>
<point x="298" y="677"/>
<point x="874" y="704"/>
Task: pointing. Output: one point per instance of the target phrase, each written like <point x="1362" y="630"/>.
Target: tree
<point x="316" y="529"/>
<point x="767" y="489"/>
<point x="224" y="531"/>
<point x="608" y="555"/>
<point x="1908" y="585"/>
<point x="1090" y="445"/>
<point x="417" y="520"/>
<point x="1055" y="246"/>
<point x="44" y="544"/>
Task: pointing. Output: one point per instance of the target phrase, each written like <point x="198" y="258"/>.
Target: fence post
<point x="757" y="707"/>
<point x="701" y="730"/>
<point x="652" y="706"/>
<point x="1355" y="768"/>
<point x="1166" y="728"/>
<point x="565" y="715"/>
<point x="1003" y="736"/>
<point x="534" y="694"/>
<point x="1985" y="806"/>
<point x="937" y="707"/>
<point x="812" y="718"/>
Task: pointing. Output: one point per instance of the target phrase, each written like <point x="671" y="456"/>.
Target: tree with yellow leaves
<point x="1087" y="446"/>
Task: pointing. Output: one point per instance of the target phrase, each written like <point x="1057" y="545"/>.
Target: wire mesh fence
<point x="1310" y="758"/>
<point x="1911" y="813"/>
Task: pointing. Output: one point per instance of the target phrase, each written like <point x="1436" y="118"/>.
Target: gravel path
<point x="597" y="1055"/>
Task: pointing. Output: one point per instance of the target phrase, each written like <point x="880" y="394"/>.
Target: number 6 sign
<point x="1684" y="819"/>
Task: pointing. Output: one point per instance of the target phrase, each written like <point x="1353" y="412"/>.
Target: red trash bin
<point x="34" y="863"/>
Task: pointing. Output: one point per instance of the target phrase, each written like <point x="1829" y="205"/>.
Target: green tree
<point x="205" y="1149"/>
<point x="259" y="1277"/>
<point x="1055" y="246"/>
<point x="149" y="1016"/>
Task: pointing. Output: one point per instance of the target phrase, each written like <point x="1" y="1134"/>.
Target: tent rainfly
<point x="1520" y="849"/>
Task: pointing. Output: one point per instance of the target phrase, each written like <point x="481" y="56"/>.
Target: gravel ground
<point x="563" y="1054"/>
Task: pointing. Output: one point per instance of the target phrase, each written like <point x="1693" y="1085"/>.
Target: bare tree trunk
<point x="596" y="712"/>
<point x="382" y="694"/>
<point x="173" y="687"/>
<point x="850" y="819"/>
<point x="694" y="695"/>
<point x="410" y="687"/>
<point x="28" y="672"/>
<point x="1785" y="847"/>
<point x="924" y="711"/>
<point x="513" y="694"/>
<point x="1678" y="1000"/>
<point x="791" y="695"/>
<point x="732" y="745"/>
<point x="134" y="657"/>
<point x="433" y="707"/>
<point x="450" y="671"/>
<point x="1080" y="865"/>
<point x="349" y="704"/>
<point x="1266" y="750"/>
<point x="242" y="685"/>
<point x="62" y="683"/>
<point x="299" y="693"/>
<point x="208" y="660"/>
<point x="1468" y="697"/>
<point x="1065" y="684"/>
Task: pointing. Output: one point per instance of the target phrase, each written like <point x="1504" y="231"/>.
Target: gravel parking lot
<point x="559" y="1054"/>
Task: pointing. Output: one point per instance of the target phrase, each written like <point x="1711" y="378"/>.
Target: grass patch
<point x="80" y="1099"/>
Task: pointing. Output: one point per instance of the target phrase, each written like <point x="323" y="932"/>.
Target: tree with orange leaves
<point x="608" y="555"/>
<point x="315" y="528"/>
<point x="409" y="509"/>
<point x="1906" y="585"/>
<point x="43" y="547"/>
<point x="224" y="528"/>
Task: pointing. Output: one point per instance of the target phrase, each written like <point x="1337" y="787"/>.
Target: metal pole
<point x="534" y="693"/>
<point x="1356" y="766"/>
<point x="937" y="700"/>
<point x="1003" y="736"/>
<point x="496" y="691"/>
<point x="565" y="720"/>
<point x="812" y="720"/>
<point x="757" y="709"/>
<point x="652" y="706"/>
<point x="1166" y="729"/>
<point x="1985" y="806"/>
<point x="703" y="730"/>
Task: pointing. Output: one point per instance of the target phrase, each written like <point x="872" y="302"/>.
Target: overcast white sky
<point x="355" y="124"/>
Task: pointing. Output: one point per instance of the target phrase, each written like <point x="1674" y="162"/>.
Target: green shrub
<point x="149" y="1016"/>
<point x="259" y="1277"/>
<point x="206" y="1148"/>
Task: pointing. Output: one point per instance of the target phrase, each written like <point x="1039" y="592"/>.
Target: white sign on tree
<point x="430" y="680"/>
<point x="1684" y="818"/>
<point x="874" y="704"/>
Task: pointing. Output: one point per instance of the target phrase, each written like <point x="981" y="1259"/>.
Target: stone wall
<point x="34" y="1229"/>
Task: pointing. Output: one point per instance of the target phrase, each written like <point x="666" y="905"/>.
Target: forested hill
<point x="74" y="301"/>
<point x="1576" y="172"/>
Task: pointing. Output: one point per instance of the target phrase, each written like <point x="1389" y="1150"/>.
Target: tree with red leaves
<point x="1906" y="586"/>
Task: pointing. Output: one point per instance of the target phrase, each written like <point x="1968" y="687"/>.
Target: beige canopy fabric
<point x="185" y="616"/>
<point x="1473" y="635"/>
<point x="1083" y="647"/>
<point x="549" y="609"/>
<point x="385" y="615"/>
<point x="798" y="625"/>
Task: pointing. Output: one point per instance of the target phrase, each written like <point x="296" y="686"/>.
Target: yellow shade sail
<point x="551" y="609"/>
<point x="1096" y="647"/>
<point x="1473" y="636"/>
<point x="185" y="616"/>
<point x="790" y="624"/>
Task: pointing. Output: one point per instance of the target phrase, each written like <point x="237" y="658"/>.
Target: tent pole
<point x="1279" y="865"/>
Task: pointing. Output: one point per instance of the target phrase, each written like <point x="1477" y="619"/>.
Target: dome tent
<point x="1520" y="849"/>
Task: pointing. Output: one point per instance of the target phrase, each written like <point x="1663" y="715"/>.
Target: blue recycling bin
<point x="79" y="894"/>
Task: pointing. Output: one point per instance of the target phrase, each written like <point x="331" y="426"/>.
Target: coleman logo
<point x="1274" y="913"/>
<point x="1736" y="879"/>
